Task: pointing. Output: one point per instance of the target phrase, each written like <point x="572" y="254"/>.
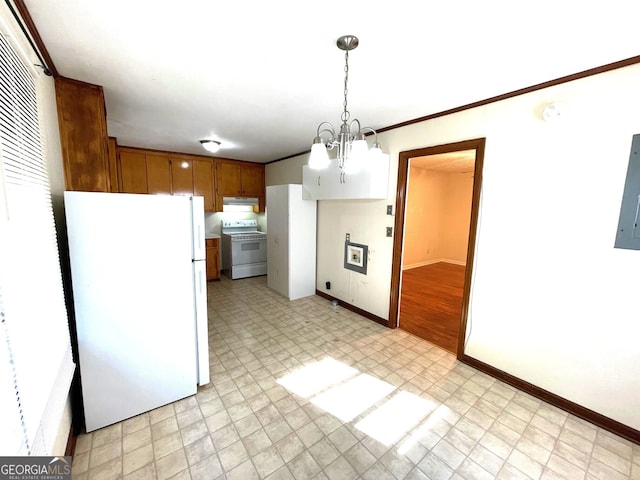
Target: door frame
<point x="476" y="144"/>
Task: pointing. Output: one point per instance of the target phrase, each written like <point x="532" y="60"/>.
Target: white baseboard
<point x="431" y="262"/>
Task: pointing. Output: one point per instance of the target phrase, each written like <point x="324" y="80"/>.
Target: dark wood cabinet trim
<point x="113" y="164"/>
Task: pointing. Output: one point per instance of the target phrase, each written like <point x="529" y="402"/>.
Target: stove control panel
<point x="239" y="223"/>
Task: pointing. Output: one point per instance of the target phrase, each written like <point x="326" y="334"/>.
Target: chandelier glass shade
<point x="352" y="150"/>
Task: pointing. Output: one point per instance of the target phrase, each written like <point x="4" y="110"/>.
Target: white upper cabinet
<point x="333" y="184"/>
<point x="321" y="184"/>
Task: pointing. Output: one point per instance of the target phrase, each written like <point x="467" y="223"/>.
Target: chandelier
<point x="350" y="140"/>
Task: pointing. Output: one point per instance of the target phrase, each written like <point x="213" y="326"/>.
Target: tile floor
<point x="426" y="416"/>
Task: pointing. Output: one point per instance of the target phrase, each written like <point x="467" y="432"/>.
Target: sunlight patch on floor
<point x="433" y="419"/>
<point x="315" y="377"/>
<point x="341" y="393"/>
<point x="394" y="418"/>
<point x="348" y="400"/>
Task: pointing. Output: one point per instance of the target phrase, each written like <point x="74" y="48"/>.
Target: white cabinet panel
<point x="322" y="184"/>
<point x="291" y="242"/>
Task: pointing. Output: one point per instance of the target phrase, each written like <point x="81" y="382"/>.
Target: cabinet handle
<point x="318" y="180"/>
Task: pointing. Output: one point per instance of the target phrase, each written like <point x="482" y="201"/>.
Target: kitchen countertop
<point x="211" y="235"/>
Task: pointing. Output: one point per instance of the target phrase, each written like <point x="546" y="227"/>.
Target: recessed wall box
<point x="355" y="257"/>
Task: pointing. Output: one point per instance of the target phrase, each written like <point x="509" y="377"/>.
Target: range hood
<point x="242" y="201"/>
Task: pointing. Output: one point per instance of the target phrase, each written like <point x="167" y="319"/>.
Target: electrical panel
<point x="628" y="233"/>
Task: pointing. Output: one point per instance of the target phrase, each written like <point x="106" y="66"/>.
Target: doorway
<point x="436" y="219"/>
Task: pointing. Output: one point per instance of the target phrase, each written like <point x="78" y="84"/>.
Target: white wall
<point x="424" y="214"/>
<point x="437" y="217"/>
<point x="552" y="301"/>
<point x="285" y="172"/>
<point x="459" y="197"/>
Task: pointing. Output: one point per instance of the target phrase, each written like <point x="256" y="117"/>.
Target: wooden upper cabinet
<point x="158" y="174"/>
<point x="83" y="135"/>
<point x="239" y="179"/>
<point x="133" y="172"/>
<point x="181" y="176"/>
<point x="142" y="173"/>
<point x="155" y="171"/>
<point x="203" y="183"/>
<point x="194" y="176"/>
<point x="229" y="179"/>
<point x="252" y="180"/>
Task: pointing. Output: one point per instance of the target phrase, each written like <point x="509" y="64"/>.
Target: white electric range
<point x="244" y="249"/>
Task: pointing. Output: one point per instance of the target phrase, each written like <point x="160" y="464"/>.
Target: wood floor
<point x="431" y="303"/>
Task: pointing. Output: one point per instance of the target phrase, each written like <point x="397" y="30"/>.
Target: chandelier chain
<point x="349" y="140"/>
<point x="345" y="113"/>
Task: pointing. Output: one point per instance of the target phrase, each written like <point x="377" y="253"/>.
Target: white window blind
<point x="35" y="350"/>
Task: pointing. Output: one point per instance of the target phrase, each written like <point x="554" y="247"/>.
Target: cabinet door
<point x="158" y="174"/>
<point x="371" y="182"/>
<point x="213" y="261"/>
<point x="133" y="173"/>
<point x="252" y="181"/>
<point x="228" y="178"/>
<point x="332" y="182"/>
<point x="181" y="177"/>
<point x="83" y="135"/>
<point x="203" y="183"/>
<point x="355" y="185"/>
<point x="327" y="184"/>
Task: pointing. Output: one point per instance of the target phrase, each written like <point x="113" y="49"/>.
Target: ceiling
<point x="462" y="161"/>
<point x="260" y="76"/>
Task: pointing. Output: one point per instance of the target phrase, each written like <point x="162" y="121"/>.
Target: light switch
<point x="389" y="231"/>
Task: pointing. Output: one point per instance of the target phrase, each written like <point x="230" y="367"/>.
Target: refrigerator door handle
<point x="202" y="328"/>
<point x="197" y="221"/>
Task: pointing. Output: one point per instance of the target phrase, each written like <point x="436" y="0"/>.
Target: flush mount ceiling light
<point x="210" y="145"/>
<point x="350" y="141"/>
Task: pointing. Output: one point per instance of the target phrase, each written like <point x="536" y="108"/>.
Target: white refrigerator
<point x="140" y="299"/>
